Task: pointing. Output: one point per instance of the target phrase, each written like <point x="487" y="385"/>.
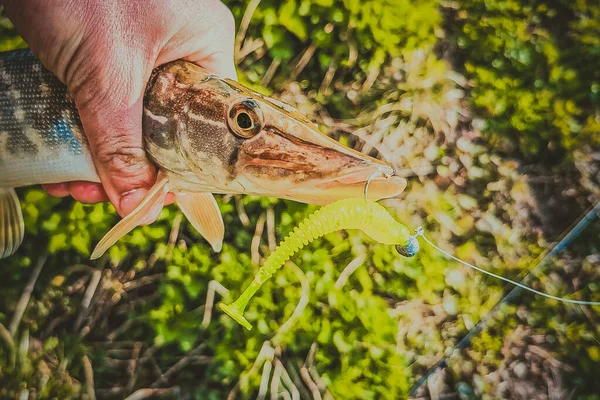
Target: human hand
<point x="105" y="53"/>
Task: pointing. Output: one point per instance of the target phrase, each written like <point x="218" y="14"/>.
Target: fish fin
<point x="202" y="211"/>
<point x="148" y="208"/>
<point x="12" y="228"/>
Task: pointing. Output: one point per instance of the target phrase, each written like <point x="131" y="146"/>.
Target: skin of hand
<point x="105" y="51"/>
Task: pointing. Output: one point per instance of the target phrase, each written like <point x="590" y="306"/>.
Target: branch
<point x="239" y="38"/>
<point x="177" y="366"/>
<point x="213" y="286"/>
<point x="24" y="300"/>
<point x="271" y="229"/>
<point x="89" y="377"/>
<point x="145" y="393"/>
<point x="349" y="270"/>
<point x="132" y="367"/>
<point x="301" y="304"/>
<point x="260" y="226"/>
<point x="239" y="205"/>
<point x="87" y="297"/>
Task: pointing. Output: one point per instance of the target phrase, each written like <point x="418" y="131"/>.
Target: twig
<point x="213" y="286"/>
<point x="243" y="28"/>
<point x="328" y="78"/>
<point x="303" y="61"/>
<point x="54" y="323"/>
<point x="24" y="300"/>
<point x="266" y="353"/>
<point x="276" y="380"/>
<point x="111" y="392"/>
<point x="371" y="78"/>
<point x="144" y="393"/>
<point x="301" y="304"/>
<point x="312" y="386"/>
<point x="131" y="368"/>
<point x="250" y="46"/>
<point x="304" y="372"/>
<point x="155" y="366"/>
<point x="145" y="280"/>
<point x="79" y="284"/>
<point x="264" y="380"/>
<point x="130" y="306"/>
<point x="271" y="229"/>
<point x="260" y="226"/>
<point x="7" y="337"/>
<point x="321" y="385"/>
<point x="87" y="297"/>
<point x="122" y="328"/>
<point x="178" y="366"/>
<point x="349" y="270"/>
<point x="310" y="357"/>
<point x="297" y="381"/>
<point x="239" y="206"/>
<point x="270" y="72"/>
<point x="175" y="227"/>
<point x="285" y="378"/>
<point x="89" y="377"/>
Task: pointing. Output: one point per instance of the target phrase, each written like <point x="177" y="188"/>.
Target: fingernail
<point x="130" y="200"/>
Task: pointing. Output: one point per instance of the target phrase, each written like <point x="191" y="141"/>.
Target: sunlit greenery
<point x="492" y="111"/>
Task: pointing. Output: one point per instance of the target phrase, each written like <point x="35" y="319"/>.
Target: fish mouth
<point x="310" y="168"/>
<point x="381" y="181"/>
<point x="314" y="174"/>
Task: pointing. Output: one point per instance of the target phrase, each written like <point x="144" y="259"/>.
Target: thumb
<point x="114" y="134"/>
<point x="221" y="63"/>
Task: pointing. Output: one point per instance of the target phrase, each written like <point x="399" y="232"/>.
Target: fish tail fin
<point x="12" y="227"/>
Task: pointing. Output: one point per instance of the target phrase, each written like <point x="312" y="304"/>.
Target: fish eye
<point x="245" y="119"/>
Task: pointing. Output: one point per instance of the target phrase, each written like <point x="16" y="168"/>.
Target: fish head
<point x="210" y="134"/>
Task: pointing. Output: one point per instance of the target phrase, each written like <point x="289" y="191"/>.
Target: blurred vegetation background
<point x="490" y="108"/>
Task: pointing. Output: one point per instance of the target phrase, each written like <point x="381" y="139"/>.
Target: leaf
<point x="289" y="18"/>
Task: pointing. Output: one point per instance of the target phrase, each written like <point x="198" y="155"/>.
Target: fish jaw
<point x="279" y="164"/>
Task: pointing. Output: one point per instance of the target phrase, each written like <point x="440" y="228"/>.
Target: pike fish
<point x="207" y="135"/>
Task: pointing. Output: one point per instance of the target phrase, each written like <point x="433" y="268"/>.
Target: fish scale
<point x="41" y="137"/>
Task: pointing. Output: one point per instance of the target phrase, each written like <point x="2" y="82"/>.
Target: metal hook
<point x="373" y="176"/>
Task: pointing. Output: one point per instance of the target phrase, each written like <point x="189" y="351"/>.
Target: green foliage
<point x="349" y="38"/>
<point x="534" y="67"/>
<point x="371" y="333"/>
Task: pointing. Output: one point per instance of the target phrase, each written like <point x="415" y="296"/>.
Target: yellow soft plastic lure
<point x="368" y="216"/>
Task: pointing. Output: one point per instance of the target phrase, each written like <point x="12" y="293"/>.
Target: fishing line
<point x="566" y="239"/>
<point x="420" y="232"/>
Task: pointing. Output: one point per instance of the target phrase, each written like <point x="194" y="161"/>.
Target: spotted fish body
<point x="41" y="138"/>
<point x="205" y="134"/>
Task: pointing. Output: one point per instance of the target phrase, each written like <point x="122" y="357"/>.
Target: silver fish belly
<point x="41" y="137"/>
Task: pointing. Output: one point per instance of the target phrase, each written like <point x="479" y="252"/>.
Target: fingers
<point x="117" y="150"/>
<point x="57" y="189"/>
<point x="85" y="192"/>
<point x="110" y="103"/>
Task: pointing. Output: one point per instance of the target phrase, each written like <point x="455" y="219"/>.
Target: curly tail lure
<point x="371" y="218"/>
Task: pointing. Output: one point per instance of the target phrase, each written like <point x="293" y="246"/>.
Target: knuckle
<point x="113" y="155"/>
